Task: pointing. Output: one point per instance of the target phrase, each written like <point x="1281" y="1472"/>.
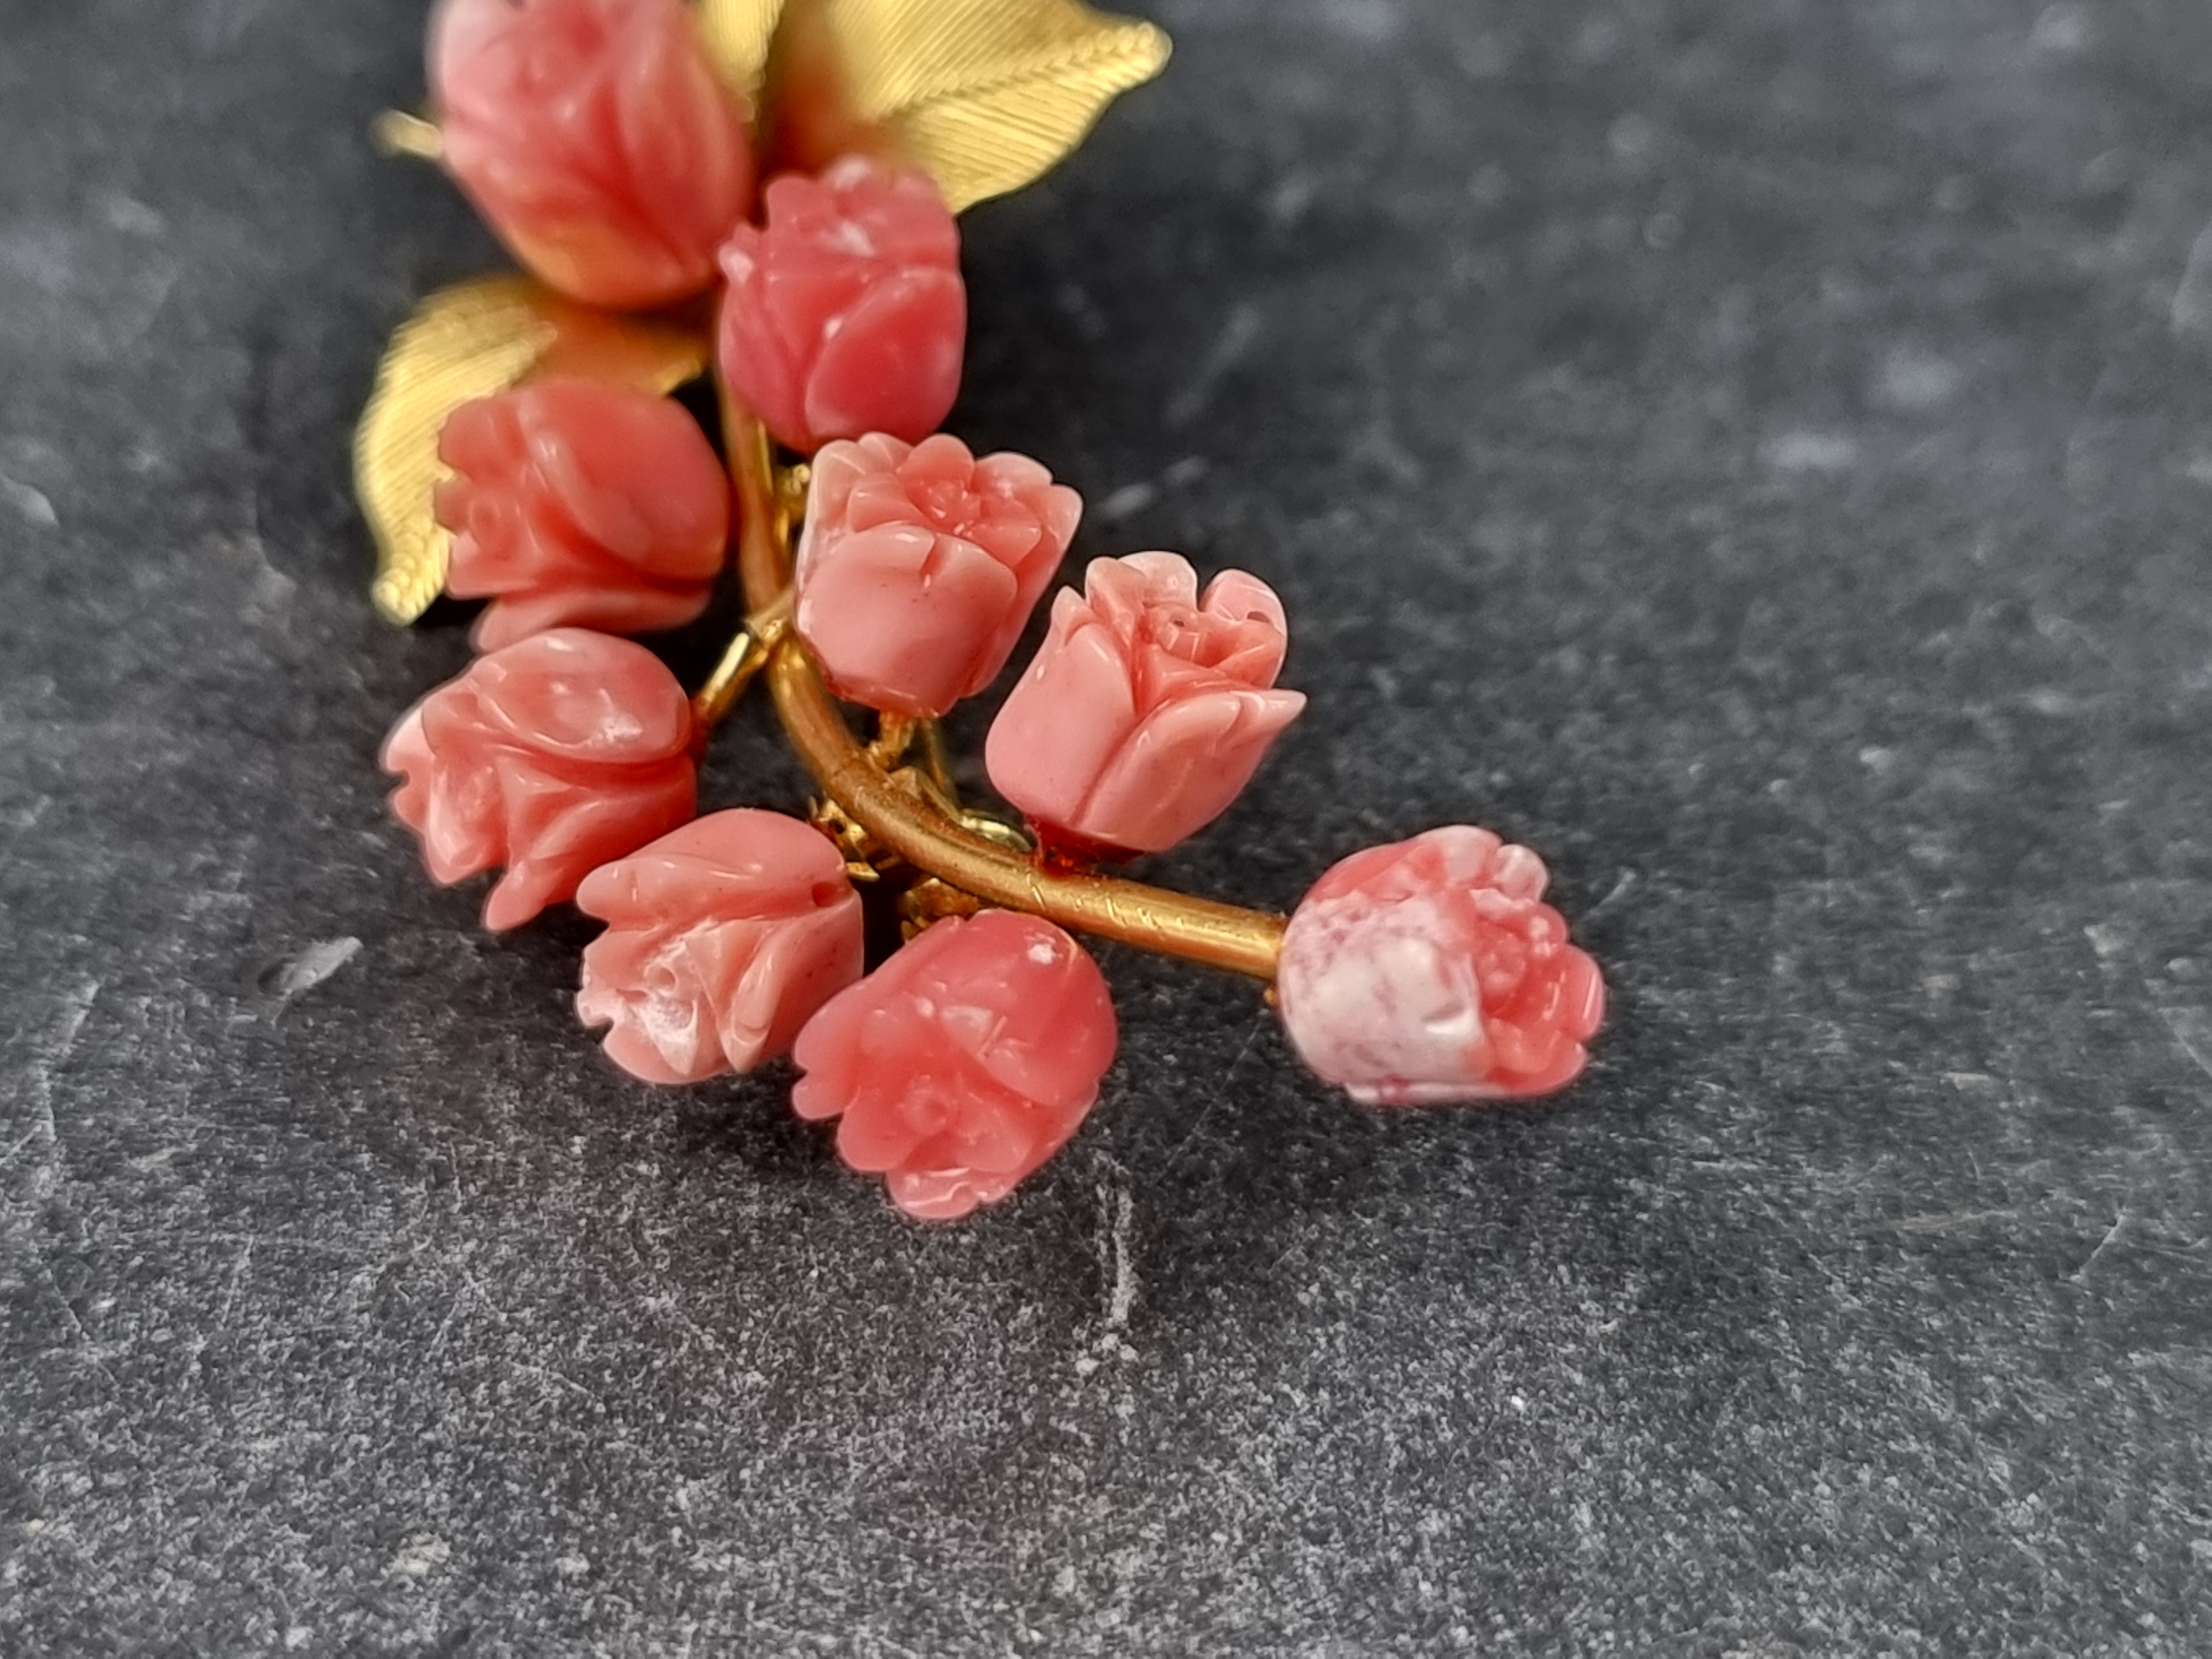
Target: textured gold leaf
<point x="466" y="342"/>
<point x="738" y="34"/>
<point x="986" y="94"/>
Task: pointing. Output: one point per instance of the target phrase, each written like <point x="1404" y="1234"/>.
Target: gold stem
<point x="895" y="736"/>
<point x="747" y="655"/>
<point x="396" y="132"/>
<point x="936" y="760"/>
<point x="1151" y="918"/>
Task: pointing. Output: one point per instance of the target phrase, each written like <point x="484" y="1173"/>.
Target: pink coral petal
<point x="1064" y="720"/>
<point x="1185" y="765"/>
<point x="506" y="622"/>
<point x="891" y="619"/>
<point x="799" y="966"/>
<point x="895" y="364"/>
<point x="1426" y="972"/>
<point x="942" y="1194"/>
<point x="584" y="697"/>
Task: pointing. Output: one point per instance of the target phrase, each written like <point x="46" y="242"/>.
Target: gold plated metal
<point x="984" y="94"/>
<point x="469" y="341"/>
<point x="738" y="34"/>
<point x="901" y="818"/>
<point x="396" y="132"/>
<point x="741" y="664"/>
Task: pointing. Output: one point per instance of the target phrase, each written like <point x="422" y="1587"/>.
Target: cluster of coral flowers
<point x="598" y="140"/>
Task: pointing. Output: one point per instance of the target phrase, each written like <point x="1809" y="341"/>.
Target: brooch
<point x="765" y="193"/>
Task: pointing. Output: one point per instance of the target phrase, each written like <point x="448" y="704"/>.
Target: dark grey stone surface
<point x="1759" y="451"/>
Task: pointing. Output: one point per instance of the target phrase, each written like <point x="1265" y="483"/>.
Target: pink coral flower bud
<point x="723" y="940"/>
<point x="578" y="502"/>
<point x="1431" y="970"/>
<point x="920" y="564"/>
<point x="963" y="1063"/>
<point x="550" y="757"/>
<point x="1148" y="709"/>
<point x="597" y="139"/>
<point x="845" y="313"/>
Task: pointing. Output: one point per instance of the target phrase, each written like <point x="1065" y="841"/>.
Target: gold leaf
<point x="467" y="342"/>
<point x="986" y="94"/>
<point x="738" y="34"/>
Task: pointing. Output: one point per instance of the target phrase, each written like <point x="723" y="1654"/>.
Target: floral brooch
<point x="522" y="447"/>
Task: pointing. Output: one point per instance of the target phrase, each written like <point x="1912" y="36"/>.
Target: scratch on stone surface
<point x="2191" y="311"/>
<point x="32" y="504"/>
<point x="1972" y="1082"/>
<point x="2079" y="474"/>
<point x="1618" y="891"/>
<point x="1936" y="1223"/>
<point x="2111" y="1237"/>
<point x="60" y="1044"/>
<point x="1197" y="1124"/>
<point x="1125" y="502"/>
<point x="237" y="1277"/>
<point x="46" y="1175"/>
<point x="1122" y="1294"/>
<point x="312" y="966"/>
<point x="1804" y="451"/>
<point x="2192" y="1030"/>
<point x="1238" y="334"/>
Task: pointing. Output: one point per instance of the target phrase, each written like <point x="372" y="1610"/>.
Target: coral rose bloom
<point x="845" y="313"/>
<point x="919" y="565"/>
<point x="1148" y="709"/>
<point x="578" y="502"/>
<point x="596" y="138"/>
<point x="963" y="1063"/>
<point x="1431" y="970"/>
<point x="549" y="757"/>
<point x="723" y="940"/>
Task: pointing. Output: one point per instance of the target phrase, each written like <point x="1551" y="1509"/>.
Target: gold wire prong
<point x="400" y="132"/>
<point x="742" y="661"/>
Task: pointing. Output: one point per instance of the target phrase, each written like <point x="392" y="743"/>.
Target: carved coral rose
<point x="550" y="757"/>
<point x="1431" y="970"/>
<point x="724" y="938"/>
<point x="1148" y="709"/>
<point x="576" y="502"/>
<point x="845" y="313"/>
<point x="596" y="138"/>
<point x="919" y="565"/>
<point x="963" y="1063"/>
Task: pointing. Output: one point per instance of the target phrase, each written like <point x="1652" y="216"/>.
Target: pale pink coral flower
<point x="1431" y="970"/>
<point x="919" y="565"/>
<point x="1147" y="708"/>
<point x="723" y="940"/>
<point x="578" y="503"/>
<point x="597" y="139"/>
<point x="550" y="757"/>
<point x="963" y="1063"/>
<point x="845" y="313"/>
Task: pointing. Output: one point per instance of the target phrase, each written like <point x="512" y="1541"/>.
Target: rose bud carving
<point x="845" y="312"/>
<point x="963" y="1063"/>
<point x="1147" y="708"/>
<point x="595" y="138"/>
<point x="723" y="940"/>
<point x="576" y="502"/>
<point x="1431" y="970"/>
<point x="549" y="757"/>
<point x="919" y="565"/>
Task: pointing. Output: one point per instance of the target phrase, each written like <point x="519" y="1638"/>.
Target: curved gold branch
<point x="1151" y="918"/>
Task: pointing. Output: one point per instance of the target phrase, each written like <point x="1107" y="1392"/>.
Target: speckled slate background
<point x="1759" y="451"/>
